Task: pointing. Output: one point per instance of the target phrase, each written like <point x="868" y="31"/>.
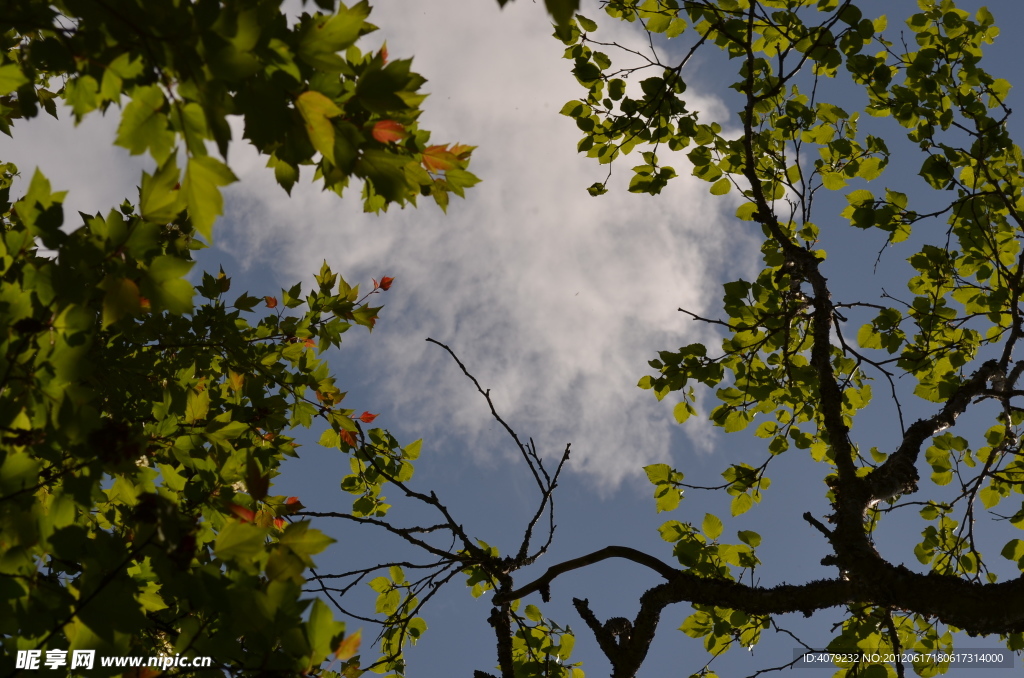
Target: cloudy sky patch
<point x="554" y="299"/>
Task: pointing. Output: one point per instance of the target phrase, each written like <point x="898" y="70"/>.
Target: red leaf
<point x="384" y="53"/>
<point x="347" y="437"/>
<point x="388" y="130"/>
<point x="271" y="302"/>
<point x="309" y="343"/>
<point x="144" y="303"/>
<point x="280" y="523"/>
<point x="385" y="283"/>
<point x="350" y="646"/>
<point x="244" y="514"/>
<point x="367" y="418"/>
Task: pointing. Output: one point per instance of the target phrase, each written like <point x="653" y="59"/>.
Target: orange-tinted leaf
<point x="280" y="523"/>
<point x="439" y="159"/>
<point x="144" y="303"/>
<point x="235" y="380"/>
<point x="461" y="151"/>
<point x="388" y="130"/>
<point x="384" y="53"/>
<point x="271" y="302"/>
<point x="264" y="518"/>
<point x="347" y="437"/>
<point x="385" y="283"/>
<point x="350" y="646"/>
<point x="367" y="418"/>
<point x="244" y="514"/>
<point x="292" y="504"/>
<point x="309" y="342"/>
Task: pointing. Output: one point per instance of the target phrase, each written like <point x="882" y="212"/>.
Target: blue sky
<point x="553" y="299"/>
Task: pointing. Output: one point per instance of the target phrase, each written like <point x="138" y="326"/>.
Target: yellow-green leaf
<point x="712" y="526"/>
<point x="721" y="187"/>
<point x="203" y="176"/>
<point x="161" y="201"/>
<point x="741" y="504"/>
<point x="11" y="78"/>
<point x="120" y="299"/>
<point x="144" y="125"/>
<point x="317" y="110"/>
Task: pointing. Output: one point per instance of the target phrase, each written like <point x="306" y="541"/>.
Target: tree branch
<point x="626" y="552"/>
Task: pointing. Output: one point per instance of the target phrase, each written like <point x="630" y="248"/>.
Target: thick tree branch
<point x="898" y="474"/>
<point x="545" y="580"/>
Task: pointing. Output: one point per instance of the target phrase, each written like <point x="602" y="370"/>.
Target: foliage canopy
<point x="141" y="431"/>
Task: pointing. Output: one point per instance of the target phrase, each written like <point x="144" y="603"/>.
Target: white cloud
<point x="554" y="299"/>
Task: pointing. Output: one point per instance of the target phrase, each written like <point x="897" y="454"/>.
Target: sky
<point x="553" y="299"/>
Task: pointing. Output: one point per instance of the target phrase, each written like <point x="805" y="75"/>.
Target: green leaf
<point x="562" y="11"/>
<point x="325" y="36"/>
<point x="937" y="171"/>
<point x="585" y="23"/>
<point x="161" y="200"/>
<point x="121" y="298"/>
<point x="304" y="540"/>
<point x="144" y="125"/>
<point x="712" y="526"/>
<point x="750" y="538"/>
<point x="833" y="181"/>
<point x="741" y="504"/>
<point x="683" y="411"/>
<point x="667" y="498"/>
<point x="203" y="177"/>
<point x="11" y="78"/>
<point x="317" y="110"/>
<point x="239" y="541"/>
<point x="82" y="94"/>
<point x="722" y="186"/>
<point x="658" y="473"/>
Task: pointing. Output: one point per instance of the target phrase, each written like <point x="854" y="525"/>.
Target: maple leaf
<point x="385" y="131"/>
<point x="367" y="418"/>
<point x="244" y="514"/>
<point x="385" y="283"/>
<point x="384" y="53"/>
<point x="280" y="523"/>
<point x="317" y="110"/>
<point x="461" y="151"/>
<point x="443" y="158"/>
<point x="350" y="646"/>
<point x="309" y="343"/>
<point x="347" y="437"/>
<point x="235" y="380"/>
<point x="271" y="302"/>
<point x="439" y="159"/>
